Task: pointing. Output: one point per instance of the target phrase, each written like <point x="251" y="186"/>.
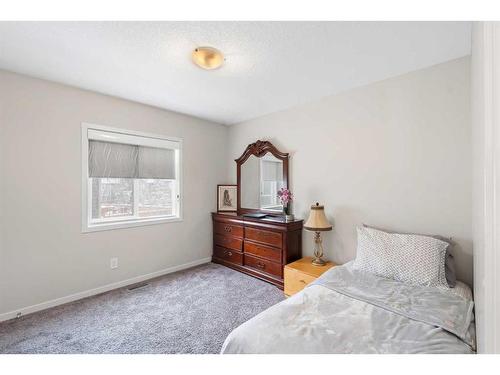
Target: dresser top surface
<point x="267" y="219"/>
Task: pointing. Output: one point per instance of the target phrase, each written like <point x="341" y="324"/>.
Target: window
<point x="129" y="178"/>
<point x="271" y="181"/>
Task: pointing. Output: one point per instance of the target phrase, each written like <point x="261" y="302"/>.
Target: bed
<point x="351" y="311"/>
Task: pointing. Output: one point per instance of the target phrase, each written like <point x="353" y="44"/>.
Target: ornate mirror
<point x="261" y="171"/>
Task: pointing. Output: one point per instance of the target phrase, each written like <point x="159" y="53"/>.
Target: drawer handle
<point x="227" y="228"/>
<point x="302" y="281"/>
<point x="229" y="253"/>
<point x="261" y="265"/>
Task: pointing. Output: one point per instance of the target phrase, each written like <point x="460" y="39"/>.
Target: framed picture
<point x="226" y="198"/>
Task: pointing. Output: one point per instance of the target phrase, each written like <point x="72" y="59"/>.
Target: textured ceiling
<point x="270" y="66"/>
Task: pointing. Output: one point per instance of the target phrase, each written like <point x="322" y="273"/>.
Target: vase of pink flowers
<point x="286" y="197"/>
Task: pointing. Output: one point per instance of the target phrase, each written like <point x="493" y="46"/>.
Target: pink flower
<point x="285" y="196"/>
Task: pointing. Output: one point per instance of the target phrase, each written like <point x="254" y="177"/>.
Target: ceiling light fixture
<point x="208" y="58"/>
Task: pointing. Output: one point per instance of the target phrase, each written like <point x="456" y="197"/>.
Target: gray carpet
<point x="190" y="311"/>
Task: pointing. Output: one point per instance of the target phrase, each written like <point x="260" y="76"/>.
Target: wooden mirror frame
<point x="259" y="149"/>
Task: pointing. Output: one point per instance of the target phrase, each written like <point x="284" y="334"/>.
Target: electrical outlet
<point x="113" y="263"/>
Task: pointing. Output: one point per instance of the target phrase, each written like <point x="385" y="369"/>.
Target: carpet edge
<point x="102" y="289"/>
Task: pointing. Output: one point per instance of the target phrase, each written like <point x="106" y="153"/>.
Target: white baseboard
<point x="101" y="289"/>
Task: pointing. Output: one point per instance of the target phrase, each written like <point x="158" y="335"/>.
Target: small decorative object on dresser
<point x="226" y="198"/>
<point x="317" y="223"/>
<point x="301" y="273"/>
<point x="286" y="197"/>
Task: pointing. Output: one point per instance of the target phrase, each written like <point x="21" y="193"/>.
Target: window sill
<point x="128" y="224"/>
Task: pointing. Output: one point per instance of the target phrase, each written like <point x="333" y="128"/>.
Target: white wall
<point x="486" y="162"/>
<point x="43" y="254"/>
<point x="396" y="154"/>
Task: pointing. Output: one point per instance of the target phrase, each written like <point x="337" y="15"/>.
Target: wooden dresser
<point x="257" y="247"/>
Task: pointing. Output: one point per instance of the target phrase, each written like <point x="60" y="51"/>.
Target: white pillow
<point x="462" y="290"/>
<point x="410" y="258"/>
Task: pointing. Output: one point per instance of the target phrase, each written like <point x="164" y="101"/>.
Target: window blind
<point x="155" y="163"/>
<point x="271" y="171"/>
<point x="120" y="160"/>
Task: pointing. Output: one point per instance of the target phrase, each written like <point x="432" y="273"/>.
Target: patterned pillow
<point x="449" y="262"/>
<point x="410" y="258"/>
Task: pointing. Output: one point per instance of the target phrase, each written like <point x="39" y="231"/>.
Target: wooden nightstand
<point x="301" y="272"/>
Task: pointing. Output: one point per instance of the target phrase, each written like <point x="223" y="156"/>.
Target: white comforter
<point x="347" y="312"/>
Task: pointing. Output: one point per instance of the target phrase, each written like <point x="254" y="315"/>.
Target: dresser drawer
<point x="262" y="251"/>
<point x="228" y="255"/>
<point x="295" y="281"/>
<point x="231" y="229"/>
<point x="264" y="236"/>
<point x="228" y="242"/>
<point x="262" y="265"/>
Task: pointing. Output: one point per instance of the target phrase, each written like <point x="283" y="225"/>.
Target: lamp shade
<point x="317" y="220"/>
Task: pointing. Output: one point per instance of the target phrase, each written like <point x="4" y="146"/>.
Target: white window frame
<point x="127" y="222"/>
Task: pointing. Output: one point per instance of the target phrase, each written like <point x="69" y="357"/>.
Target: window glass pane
<point x="155" y="197"/>
<point x="269" y="194"/>
<point x="112" y="197"/>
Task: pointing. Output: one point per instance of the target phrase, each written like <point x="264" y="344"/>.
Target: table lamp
<point x="317" y="223"/>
